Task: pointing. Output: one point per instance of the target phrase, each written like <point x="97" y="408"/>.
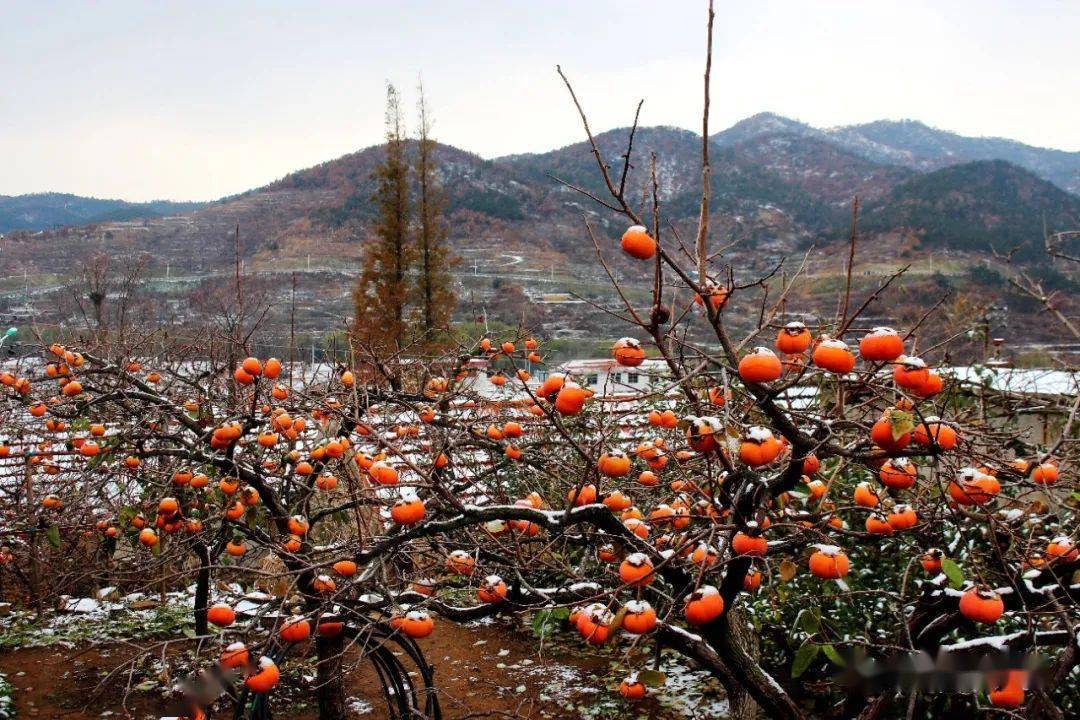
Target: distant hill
<point x="915" y="145"/>
<point x="765" y="123"/>
<point x="777" y="184"/>
<point x="976" y="206"/>
<point x="42" y="211"/>
<point x="920" y="147"/>
<point x="468" y="181"/>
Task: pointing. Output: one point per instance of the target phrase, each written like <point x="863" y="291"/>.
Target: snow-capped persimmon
<point x="492" y="590"/>
<point x="329" y="628"/>
<point x="934" y="431"/>
<point x="981" y="605"/>
<point x="703" y="605"/>
<point x="324" y="585"/>
<point x="595" y="624"/>
<point x="973" y="487"/>
<point x="234" y="656"/>
<point x="628" y="352"/>
<point x="266" y="676"/>
<point x="702" y="433"/>
<point x="1045" y="474"/>
<point x="571" y="398"/>
<point x="1062" y="549"/>
<point x="877" y="524"/>
<point x="295" y="629"/>
<point x="865" y="495"/>
<point x="551" y="386"/>
<point x="898" y="474"/>
<point x="760" y="365"/>
<point x="752" y="580"/>
<point x="931" y="561"/>
<point x="461" y="562"/>
<point x="631" y="688"/>
<point x="829" y="563"/>
<point x="759" y="447"/>
<point x="704" y="555"/>
<point x="616" y="501"/>
<point x="637" y="526"/>
<point x="746" y="544"/>
<point x="902" y="517"/>
<point x="614" y="463"/>
<point x="636" y="570"/>
<point x="639" y="617"/>
<point x="882" y="344"/>
<point x="793" y="339"/>
<point x="910" y="372"/>
<point x="637" y="243"/>
<point x="648" y="478"/>
<point x="834" y="356"/>
<point x="718" y="296"/>
<point x="418" y="624"/>
<point x="408" y="510"/>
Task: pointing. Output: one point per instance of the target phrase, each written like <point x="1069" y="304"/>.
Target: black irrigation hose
<point x="432" y="710"/>
<point x="390" y="671"/>
<point x="397" y="685"/>
<point x="402" y="701"/>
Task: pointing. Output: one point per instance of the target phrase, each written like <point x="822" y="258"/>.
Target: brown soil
<point x="489" y="671"/>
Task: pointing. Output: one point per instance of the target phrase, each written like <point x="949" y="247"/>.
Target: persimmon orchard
<point x="784" y="506"/>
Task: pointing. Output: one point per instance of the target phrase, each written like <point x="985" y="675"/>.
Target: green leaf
<point x="953" y="572"/>
<point x="652" y="678"/>
<point x="803" y="657"/>
<point x="834" y="657"/>
<point x="901" y="422"/>
<point x="808" y="620"/>
<point x="52" y="534"/>
<point x="546" y="620"/>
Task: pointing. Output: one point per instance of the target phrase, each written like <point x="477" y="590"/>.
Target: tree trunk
<point x="202" y="590"/>
<point x="329" y="679"/>
<point x="39" y="526"/>
<point x="729" y="643"/>
<point x="737" y="670"/>
<point x="740" y="701"/>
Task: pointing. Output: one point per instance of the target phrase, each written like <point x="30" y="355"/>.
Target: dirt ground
<point x="486" y="671"/>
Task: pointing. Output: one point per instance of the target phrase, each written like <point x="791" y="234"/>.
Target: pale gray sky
<point x="195" y="100"/>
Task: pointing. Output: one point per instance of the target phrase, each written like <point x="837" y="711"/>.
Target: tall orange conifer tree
<point x="434" y="284"/>
<point x="381" y="296"/>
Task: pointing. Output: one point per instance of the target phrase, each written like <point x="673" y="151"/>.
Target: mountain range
<point x="776" y="182"/>
<point x="39" y="211"/>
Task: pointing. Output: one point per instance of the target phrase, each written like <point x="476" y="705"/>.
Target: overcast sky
<point x="196" y="100"/>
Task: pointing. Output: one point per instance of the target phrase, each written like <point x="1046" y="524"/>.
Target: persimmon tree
<point x="783" y="504"/>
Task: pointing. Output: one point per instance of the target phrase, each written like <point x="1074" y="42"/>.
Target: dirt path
<point x="485" y="671"/>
